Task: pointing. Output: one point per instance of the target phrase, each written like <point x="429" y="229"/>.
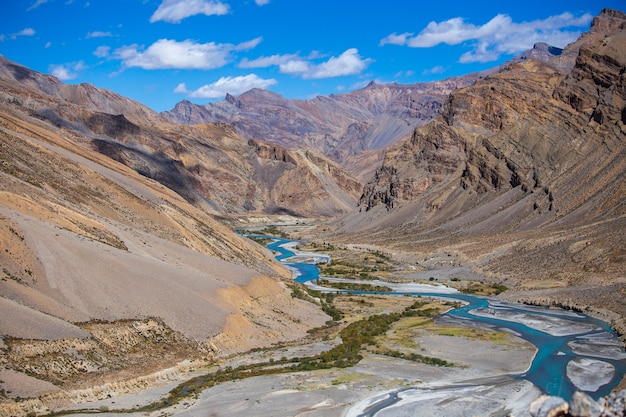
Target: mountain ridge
<point x="209" y="165"/>
<point x="523" y="173"/>
<point x="339" y="126"/>
<point x="351" y="128"/>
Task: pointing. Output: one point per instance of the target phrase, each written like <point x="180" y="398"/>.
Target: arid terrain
<point x="521" y="176"/>
<point x="125" y="285"/>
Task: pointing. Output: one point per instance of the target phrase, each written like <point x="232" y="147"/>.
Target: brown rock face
<point x="272" y="152"/>
<point x="595" y="87"/>
<point x="516" y="127"/>
<point x="525" y="171"/>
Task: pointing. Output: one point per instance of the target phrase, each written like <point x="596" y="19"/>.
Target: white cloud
<point x="498" y="36"/>
<point x="173" y="11"/>
<point x="102" y="51"/>
<point x="348" y="63"/>
<point x="262" y="2"/>
<point x="98" y="34"/>
<point x="181" y="88"/>
<point x="407" y="73"/>
<point x="296" y="66"/>
<point x="395" y="39"/>
<point x="251" y="44"/>
<point x="267" y="61"/>
<point x="437" y="69"/>
<point x="68" y="71"/>
<point x="36" y="4"/>
<point x="24" y="32"/>
<point x="481" y="53"/>
<point x="166" y="53"/>
<point x="231" y="85"/>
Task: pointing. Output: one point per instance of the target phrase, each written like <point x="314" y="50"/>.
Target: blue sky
<point x="160" y="52"/>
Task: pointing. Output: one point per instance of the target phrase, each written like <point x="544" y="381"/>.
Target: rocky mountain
<point x="339" y="126"/>
<point x="522" y="176"/>
<point x="115" y="264"/>
<point x="45" y="91"/>
<point x="210" y="165"/>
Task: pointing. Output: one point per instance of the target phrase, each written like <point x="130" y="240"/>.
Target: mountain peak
<point x="544" y="47"/>
<point x="609" y="20"/>
<point x="230" y="98"/>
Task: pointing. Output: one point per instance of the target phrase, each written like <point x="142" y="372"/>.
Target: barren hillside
<point x="98" y="260"/>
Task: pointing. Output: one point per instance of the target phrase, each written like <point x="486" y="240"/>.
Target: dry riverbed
<point x="481" y="360"/>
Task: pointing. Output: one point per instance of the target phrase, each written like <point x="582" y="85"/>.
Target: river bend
<point x="575" y="352"/>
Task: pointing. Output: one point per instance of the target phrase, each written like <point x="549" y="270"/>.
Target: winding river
<point x="575" y="352"/>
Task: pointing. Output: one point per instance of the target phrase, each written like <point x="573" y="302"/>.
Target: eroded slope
<point x="108" y="275"/>
<point x="522" y="177"/>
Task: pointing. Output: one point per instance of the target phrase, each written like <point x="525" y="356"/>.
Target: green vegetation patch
<point x="350" y="286"/>
<point x="263" y="241"/>
<point x="416" y="357"/>
<point x="483" y="288"/>
<point x="473" y="333"/>
<point x="402" y="334"/>
<point x="350" y="264"/>
<point x="273" y="230"/>
<point x="325" y="301"/>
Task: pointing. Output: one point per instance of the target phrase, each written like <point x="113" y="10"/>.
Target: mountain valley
<point x="526" y="165"/>
<point x="124" y="268"/>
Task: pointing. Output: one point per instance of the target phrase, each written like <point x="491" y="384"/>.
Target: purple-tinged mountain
<point x="210" y="165"/>
<point x="339" y="126"/>
<point x="352" y="128"/>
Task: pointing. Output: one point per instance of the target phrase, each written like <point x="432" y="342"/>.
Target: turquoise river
<point x="567" y="342"/>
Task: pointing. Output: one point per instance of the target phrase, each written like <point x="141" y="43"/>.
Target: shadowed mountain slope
<point x="209" y="165"/>
<point x="108" y="275"/>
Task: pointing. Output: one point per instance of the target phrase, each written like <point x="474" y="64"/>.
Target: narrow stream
<point x="575" y="352"/>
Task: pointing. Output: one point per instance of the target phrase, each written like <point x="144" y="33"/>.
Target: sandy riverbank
<point x="481" y="368"/>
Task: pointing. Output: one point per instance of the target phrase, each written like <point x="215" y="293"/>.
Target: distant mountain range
<point x="339" y="126"/>
<point x="353" y="128"/>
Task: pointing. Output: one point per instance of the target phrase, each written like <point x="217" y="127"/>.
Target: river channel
<point x="575" y="352"/>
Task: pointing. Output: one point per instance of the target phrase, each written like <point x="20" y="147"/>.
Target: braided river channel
<point x="575" y="352"/>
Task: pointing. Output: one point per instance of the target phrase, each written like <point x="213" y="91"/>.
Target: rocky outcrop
<point x="272" y="152"/>
<point x="431" y="154"/>
<point x="524" y="172"/>
<point x="595" y="87"/>
<point x="581" y="405"/>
